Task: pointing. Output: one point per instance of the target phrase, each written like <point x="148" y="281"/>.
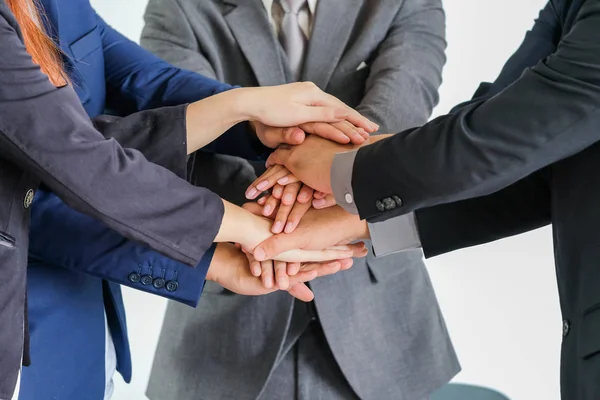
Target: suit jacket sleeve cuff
<point x="341" y="181"/>
<point x="394" y="235"/>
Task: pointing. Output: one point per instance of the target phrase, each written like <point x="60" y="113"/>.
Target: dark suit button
<point x="566" y="327"/>
<point x="380" y="206"/>
<point x="28" y="198"/>
<point x="134" y="277"/>
<point x="172" y="286"/>
<point x="146" y="280"/>
<point x="159" y="283"/>
<point x="398" y="201"/>
<point x="389" y="204"/>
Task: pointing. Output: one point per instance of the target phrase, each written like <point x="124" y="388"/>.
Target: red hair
<point x="42" y="49"/>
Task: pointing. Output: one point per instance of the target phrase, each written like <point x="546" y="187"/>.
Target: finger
<point x="277" y="244"/>
<point x="322" y="269"/>
<point x="298" y="211"/>
<point x="291" y="178"/>
<point x="328" y="131"/>
<point x="278" y="157"/>
<point x="328" y="201"/>
<point x="267" y="273"/>
<point x="358" y="249"/>
<point x="262" y="200"/>
<point x="293" y="136"/>
<point x="353" y="116"/>
<point x="254" y="265"/>
<point x="322" y="113"/>
<point x="331" y="253"/>
<point x="277" y="191"/>
<point x="281" y="218"/>
<point x="270" y="206"/>
<point x="301" y="292"/>
<point x="352" y="132"/>
<point x="305" y="195"/>
<point x="281" y="276"/>
<point x="266" y="181"/>
<point x="293" y="268"/>
<point x="290" y="193"/>
<point x="270" y="171"/>
<point x="346" y="264"/>
<point x="320" y="195"/>
<point x="356" y="119"/>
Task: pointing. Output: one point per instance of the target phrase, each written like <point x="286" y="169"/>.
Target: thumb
<point x="275" y="245"/>
<point x="292" y="136"/>
<point x="279" y="156"/>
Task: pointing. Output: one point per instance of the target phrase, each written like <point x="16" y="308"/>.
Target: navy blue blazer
<point x="73" y="257"/>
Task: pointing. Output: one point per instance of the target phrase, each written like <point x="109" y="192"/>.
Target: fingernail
<point x="259" y="254"/>
<point x="277" y="227"/>
<point x="267" y="210"/>
<point x="363" y="132"/>
<point x="288" y="198"/>
<point x="318" y="203"/>
<point x="283" y="180"/>
<point x="252" y="193"/>
<point x="289" y="227"/>
<point x="358" y="134"/>
<point x="263" y="185"/>
<point x="269" y="282"/>
<point x="374" y="127"/>
<point x="298" y="136"/>
<point x="256" y="271"/>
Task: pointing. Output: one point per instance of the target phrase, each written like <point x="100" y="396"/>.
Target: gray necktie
<point x="291" y="36"/>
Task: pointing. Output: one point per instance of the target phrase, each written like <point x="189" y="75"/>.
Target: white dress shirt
<point x="306" y="17"/>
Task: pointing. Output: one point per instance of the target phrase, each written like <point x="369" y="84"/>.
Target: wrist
<point x="244" y="104"/>
<point x="212" y="273"/>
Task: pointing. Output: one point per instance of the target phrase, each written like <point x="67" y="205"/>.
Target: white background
<point x="500" y="300"/>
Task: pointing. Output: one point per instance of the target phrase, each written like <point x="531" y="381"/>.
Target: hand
<point x="310" y="162"/>
<point x="230" y="269"/>
<point x="297" y="103"/>
<point x="318" y="229"/>
<point x="340" y="132"/>
<point x="241" y="226"/>
<point x="281" y="275"/>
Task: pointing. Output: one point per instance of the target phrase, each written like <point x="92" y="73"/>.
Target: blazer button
<point x="566" y="327"/>
<point x="134" y="277"/>
<point x="389" y="204"/>
<point x="146" y="280"/>
<point x="28" y="198"/>
<point x="398" y="201"/>
<point x="159" y="283"/>
<point x="380" y="206"/>
<point x="172" y="286"/>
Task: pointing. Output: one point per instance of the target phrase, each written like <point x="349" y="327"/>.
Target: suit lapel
<point x="334" y="20"/>
<point x="250" y="26"/>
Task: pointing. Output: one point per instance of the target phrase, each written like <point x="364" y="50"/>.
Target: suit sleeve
<point x="168" y="34"/>
<point x="64" y="238"/>
<point x="406" y="72"/>
<point x="46" y="131"/>
<point x="521" y="207"/>
<point x="551" y="112"/>
<point x="160" y="135"/>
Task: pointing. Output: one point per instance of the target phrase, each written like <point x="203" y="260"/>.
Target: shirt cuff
<point x="341" y="180"/>
<point x="394" y="235"/>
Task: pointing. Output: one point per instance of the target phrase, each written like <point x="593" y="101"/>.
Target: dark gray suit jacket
<point x="381" y="317"/>
<point x="546" y="116"/>
<point x="45" y="135"/>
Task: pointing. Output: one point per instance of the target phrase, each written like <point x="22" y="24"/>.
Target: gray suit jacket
<point x="381" y="318"/>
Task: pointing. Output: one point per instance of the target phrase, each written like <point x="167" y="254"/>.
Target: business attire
<point x="76" y="263"/>
<point x="46" y="135"/>
<point x="524" y="151"/>
<point x="360" y="338"/>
